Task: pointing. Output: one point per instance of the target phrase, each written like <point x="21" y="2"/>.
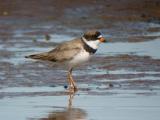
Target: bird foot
<point x="72" y="89"/>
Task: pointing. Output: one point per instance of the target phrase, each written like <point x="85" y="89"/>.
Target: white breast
<point x="80" y="58"/>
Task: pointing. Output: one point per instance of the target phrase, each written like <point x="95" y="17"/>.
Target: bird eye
<point x="98" y="34"/>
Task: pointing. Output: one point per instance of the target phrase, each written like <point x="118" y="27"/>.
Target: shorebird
<point x="73" y="53"/>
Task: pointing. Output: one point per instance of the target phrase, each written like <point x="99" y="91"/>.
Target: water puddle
<point x="31" y="89"/>
<point x="149" y="48"/>
<point x="84" y="107"/>
<point x="122" y="81"/>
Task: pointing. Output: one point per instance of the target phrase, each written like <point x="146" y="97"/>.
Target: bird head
<point x="94" y="35"/>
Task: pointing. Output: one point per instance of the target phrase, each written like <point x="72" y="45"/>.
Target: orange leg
<point x="71" y="81"/>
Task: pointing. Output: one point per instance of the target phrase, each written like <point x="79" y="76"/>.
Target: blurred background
<point x="127" y="66"/>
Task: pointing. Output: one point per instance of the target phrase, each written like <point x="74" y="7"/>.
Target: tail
<point x="41" y="56"/>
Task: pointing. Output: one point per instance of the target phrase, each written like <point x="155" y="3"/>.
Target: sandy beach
<point x="120" y="82"/>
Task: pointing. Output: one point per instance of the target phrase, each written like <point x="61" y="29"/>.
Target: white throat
<point x="93" y="44"/>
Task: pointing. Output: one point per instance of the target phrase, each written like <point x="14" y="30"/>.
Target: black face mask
<point x="92" y="36"/>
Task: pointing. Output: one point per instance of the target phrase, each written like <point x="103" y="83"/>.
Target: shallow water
<point x="134" y="105"/>
<point x="120" y="82"/>
<point x="149" y="48"/>
<point x="107" y="90"/>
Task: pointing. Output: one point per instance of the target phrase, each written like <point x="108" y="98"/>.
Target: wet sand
<point x="121" y="82"/>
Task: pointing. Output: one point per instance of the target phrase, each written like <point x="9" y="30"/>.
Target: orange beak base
<point x="102" y="39"/>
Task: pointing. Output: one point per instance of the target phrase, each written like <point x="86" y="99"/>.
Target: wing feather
<point x="62" y="52"/>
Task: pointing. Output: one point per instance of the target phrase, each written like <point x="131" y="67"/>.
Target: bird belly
<point x="80" y="58"/>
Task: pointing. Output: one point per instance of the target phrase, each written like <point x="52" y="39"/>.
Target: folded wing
<point x="63" y="52"/>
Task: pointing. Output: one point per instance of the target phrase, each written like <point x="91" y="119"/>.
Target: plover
<point x="73" y="53"/>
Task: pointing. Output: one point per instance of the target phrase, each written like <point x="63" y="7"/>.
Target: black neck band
<point x="88" y="48"/>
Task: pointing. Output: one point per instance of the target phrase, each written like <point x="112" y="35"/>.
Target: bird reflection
<point x="69" y="113"/>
